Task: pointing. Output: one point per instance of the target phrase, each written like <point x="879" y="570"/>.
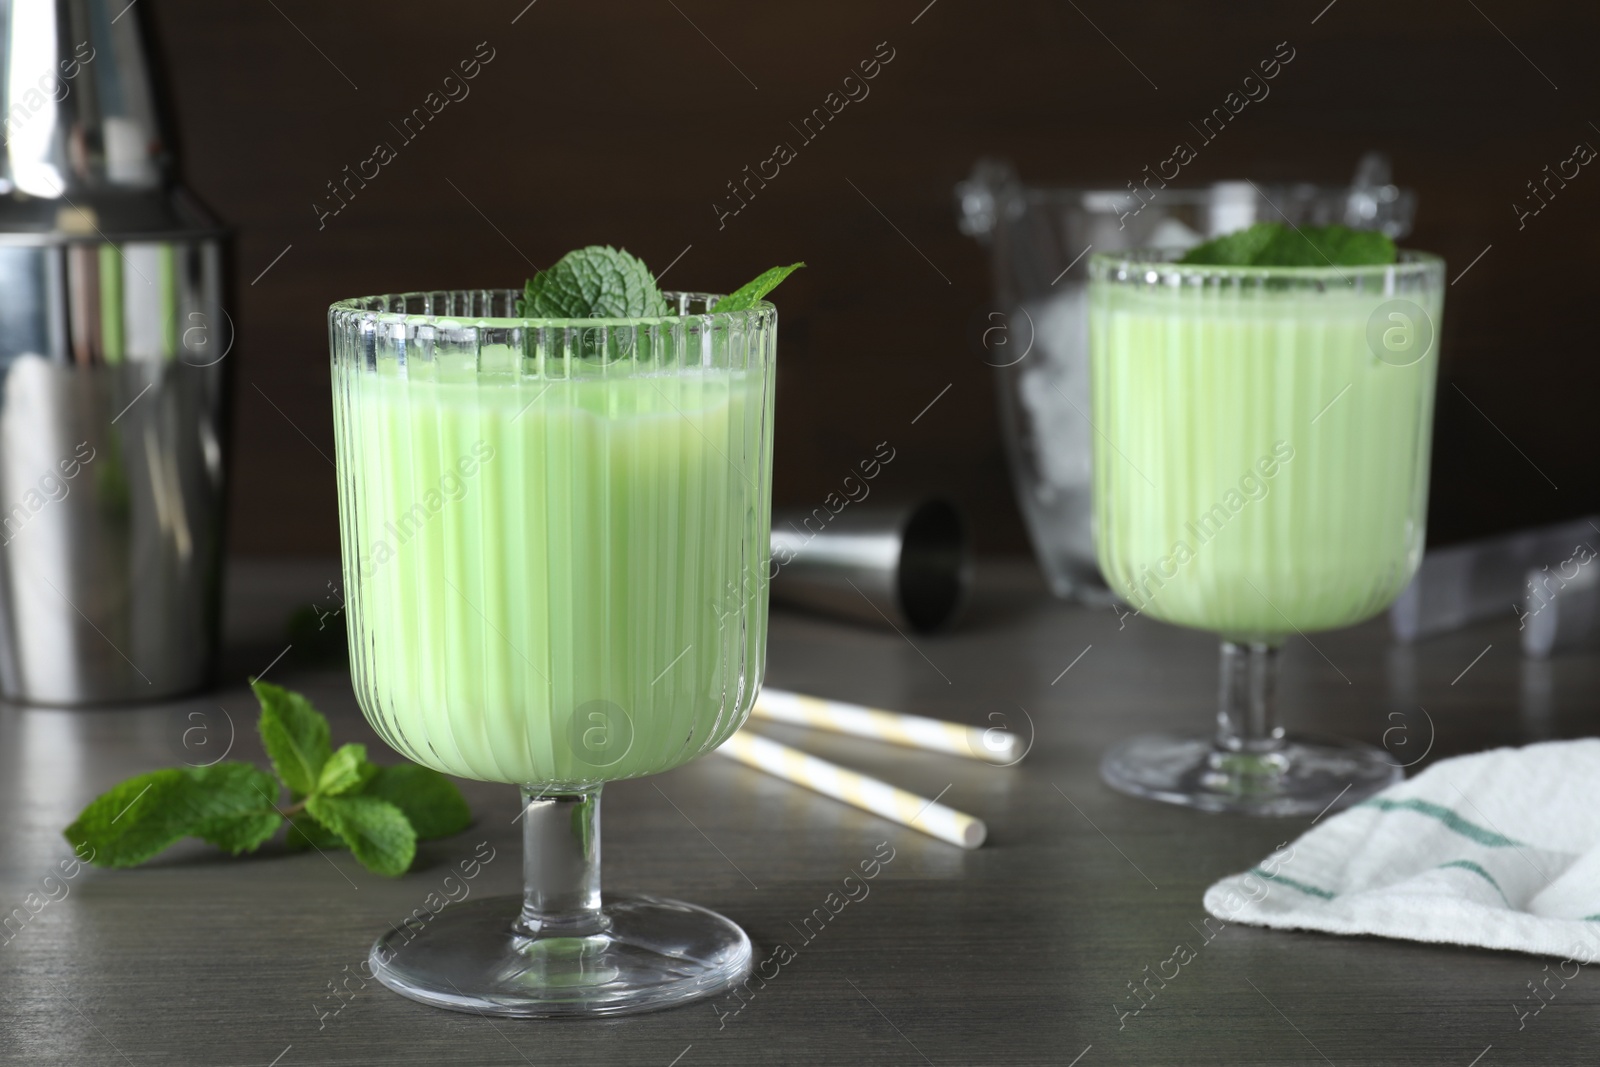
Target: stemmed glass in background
<point x="555" y="551"/>
<point x="1261" y="471"/>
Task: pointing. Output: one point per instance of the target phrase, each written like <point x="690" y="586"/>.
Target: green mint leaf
<point x="228" y="804"/>
<point x="597" y="282"/>
<point x="306" y="832"/>
<point x="135" y="819"/>
<point x="235" y="805"/>
<point x="295" y="735"/>
<point x="344" y="771"/>
<point x="1236" y="249"/>
<point x="378" y="833"/>
<point x="1272" y="244"/>
<point x="1352" y="248"/>
<point x="428" y="799"/>
<point x="750" y="293"/>
<point x="244" y="832"/>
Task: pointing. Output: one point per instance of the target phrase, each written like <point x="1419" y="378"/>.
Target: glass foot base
<point x="654" y="954"/>
<point x="1304" y="777"/>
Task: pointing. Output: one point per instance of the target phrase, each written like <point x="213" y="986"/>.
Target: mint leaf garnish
<point x="229" y="804"/>
<point x="377" y="832"/>
<point x="749" y="294"/>
<point x="1355" y="248"/>
<point x="336" y="799"/>
<point x="1272" y="244"/>
<point x="601" y="282"/>
<point x="1236" y="249"/>
<point x="431" y="801"/>
<point x="295" y="735"/>
<point x="598" y="282"/>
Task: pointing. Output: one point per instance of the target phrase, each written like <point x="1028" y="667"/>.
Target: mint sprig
<point x="336" y="799"/>
<point x="601" y="282"/>
<point x="1272" y="244"/>
<point x="750" y="293"/>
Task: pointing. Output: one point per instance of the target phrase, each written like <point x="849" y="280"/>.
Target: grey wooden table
<point x="1018" y="953"/>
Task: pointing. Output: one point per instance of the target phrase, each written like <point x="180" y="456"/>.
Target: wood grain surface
<point x="1017" y="953"/>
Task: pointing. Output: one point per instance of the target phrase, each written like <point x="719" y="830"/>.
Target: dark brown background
<point x="621" y="123"/>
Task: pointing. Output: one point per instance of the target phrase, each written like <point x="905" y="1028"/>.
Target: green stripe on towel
<point x="1308" y="890"/>
<point x="1449" y="818"/>
<point x="1468" y="865"/>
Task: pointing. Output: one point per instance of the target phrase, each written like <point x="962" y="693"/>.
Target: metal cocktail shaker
<point x="112" y="382"/>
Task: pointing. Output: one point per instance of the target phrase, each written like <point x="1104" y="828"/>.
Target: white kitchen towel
<point x="1499" y="849"/>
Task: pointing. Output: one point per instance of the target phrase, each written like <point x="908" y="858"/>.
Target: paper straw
<point x="868" y="794"/>
<point x="913" y="731"/>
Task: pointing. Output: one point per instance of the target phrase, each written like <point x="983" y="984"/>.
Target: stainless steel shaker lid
<point x="86" y="157"/>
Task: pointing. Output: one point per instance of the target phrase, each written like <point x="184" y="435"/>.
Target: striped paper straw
<point x="913" y="731"/>
<point x="868" y="794"/>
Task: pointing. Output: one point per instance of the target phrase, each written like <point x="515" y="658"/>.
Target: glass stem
<point x="1247" y="711"/>
<point x="561" y="864"/>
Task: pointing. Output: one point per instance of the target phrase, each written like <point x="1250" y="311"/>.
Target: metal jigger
<point x="112" y="383"/>
<point x="907" y="566"/>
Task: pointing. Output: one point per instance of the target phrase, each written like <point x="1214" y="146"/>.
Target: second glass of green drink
<point x="1260" y="471"/>
<point x="555" y="541"/>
